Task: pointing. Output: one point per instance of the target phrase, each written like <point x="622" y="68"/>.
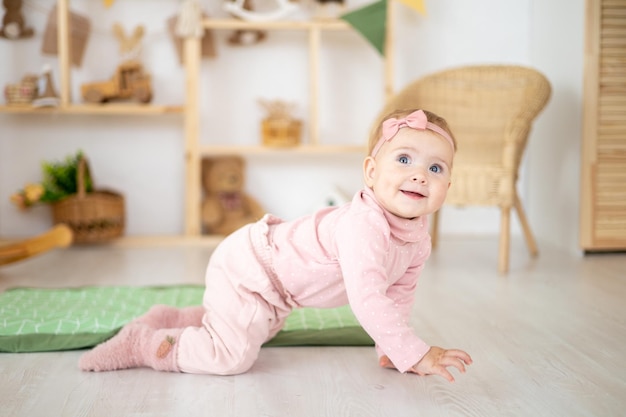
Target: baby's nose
<point x="419" y="177"/>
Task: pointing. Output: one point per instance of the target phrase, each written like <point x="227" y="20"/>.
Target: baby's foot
<point x="136" y="345"/>
<point x="122" y="351"/>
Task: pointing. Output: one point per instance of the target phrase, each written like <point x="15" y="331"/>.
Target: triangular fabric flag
<point x="415" y="4"/>
<point x="370" y="21"/>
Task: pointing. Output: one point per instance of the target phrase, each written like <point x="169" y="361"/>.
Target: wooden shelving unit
<point x="190" y="111"/>
<point x="194" y="151"/>
<point x="109" y="109"/>
<point x="65" y="104"/>
<point x="63" y="84"/>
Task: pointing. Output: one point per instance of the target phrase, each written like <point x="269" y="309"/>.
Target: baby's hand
<point x="436" y="362"/>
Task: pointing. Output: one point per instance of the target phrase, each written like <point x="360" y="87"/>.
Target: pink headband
<point x="416" y="120"/>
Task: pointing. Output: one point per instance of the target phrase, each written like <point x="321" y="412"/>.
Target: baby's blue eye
<point x="403" y="159"/>
<point x="436" y="168"/>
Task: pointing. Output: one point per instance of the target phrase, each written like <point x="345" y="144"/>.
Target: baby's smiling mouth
<point x="413" y="194"/>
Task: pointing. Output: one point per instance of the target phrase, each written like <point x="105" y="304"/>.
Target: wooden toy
<point x="238" y="8"/>
<point x="129" y="82"/>
<point x="60" y="236"/>
<point x="329" y="8"/>
<point x="130" y="46"/>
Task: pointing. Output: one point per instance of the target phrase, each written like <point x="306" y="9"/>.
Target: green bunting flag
<point x="370" y="21"/>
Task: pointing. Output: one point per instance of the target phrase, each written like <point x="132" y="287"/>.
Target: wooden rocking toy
<point x="60" y="236"/>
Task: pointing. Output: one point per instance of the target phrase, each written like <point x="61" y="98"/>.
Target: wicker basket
<point x="23" y="93"/>
<point x="94" y="217"/>
<point x="281" y="132"/>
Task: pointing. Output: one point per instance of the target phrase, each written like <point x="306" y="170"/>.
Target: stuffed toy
<point x="13" y="24"/>
<point x="226" y="206"/>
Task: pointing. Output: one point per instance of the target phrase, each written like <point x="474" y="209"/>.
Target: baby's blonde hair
<point x="432" y="118"/>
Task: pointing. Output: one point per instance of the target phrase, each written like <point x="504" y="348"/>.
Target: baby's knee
<point x="216" y="365"/>
<point x="202" y="355"/>
<point x="240" y="366"/>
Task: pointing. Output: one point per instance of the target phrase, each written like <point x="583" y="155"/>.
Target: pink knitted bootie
<point x="163" y="316"/>
<point x="135" y="346"/>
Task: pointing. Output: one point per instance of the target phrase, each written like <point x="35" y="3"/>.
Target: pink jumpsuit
<point x="357" y="253"/>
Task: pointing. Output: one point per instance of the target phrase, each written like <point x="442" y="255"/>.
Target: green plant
<point x="60" y="181"/>
<point x="61" y="178"/>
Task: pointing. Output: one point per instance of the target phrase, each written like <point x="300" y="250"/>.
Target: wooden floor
<point x="549" y="339"/>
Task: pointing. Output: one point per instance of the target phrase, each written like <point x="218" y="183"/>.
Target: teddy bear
<point x="13" y="25"/>
<point x="226" y="206"/>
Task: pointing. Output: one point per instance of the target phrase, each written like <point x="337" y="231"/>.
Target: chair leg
<point x="528" y="234"/>
<point x="434" y="229"/>
<point x="505" y="230"/>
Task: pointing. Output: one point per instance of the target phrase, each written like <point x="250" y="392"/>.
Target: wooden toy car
<point x="129" y="82"/>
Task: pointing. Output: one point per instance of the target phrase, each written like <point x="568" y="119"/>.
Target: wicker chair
<point x="490" y="109"/>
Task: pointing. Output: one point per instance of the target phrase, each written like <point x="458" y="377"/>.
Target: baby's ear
<point x="369" y="169"/>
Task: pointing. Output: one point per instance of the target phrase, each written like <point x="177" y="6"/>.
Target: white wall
<point x="553" y="170"/>
<point x="142" y="156"/>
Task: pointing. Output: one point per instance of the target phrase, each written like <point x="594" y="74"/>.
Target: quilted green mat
<point x="39" y="320"/>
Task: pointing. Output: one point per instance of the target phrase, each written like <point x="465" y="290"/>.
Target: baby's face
<point x="410" y="175"/>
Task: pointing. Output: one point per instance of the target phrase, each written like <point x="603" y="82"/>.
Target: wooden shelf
<point x="319" y="24"/>
<point x="116" y="109"/>
<point x="269" y="150"/>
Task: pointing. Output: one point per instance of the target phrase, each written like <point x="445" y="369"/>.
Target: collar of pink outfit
<point x="408" y="230"/>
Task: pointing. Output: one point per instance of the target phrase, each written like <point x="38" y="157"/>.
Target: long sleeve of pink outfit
<point x="362" y="255"/>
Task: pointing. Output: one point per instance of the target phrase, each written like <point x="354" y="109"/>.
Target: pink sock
<point x="135" y="346"/>
<point x="163" y="316"/>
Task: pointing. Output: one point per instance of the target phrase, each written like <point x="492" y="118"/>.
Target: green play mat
<point x="39" y="320"/>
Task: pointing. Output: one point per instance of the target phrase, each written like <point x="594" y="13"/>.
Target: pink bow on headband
<point x="416" y="120"/>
